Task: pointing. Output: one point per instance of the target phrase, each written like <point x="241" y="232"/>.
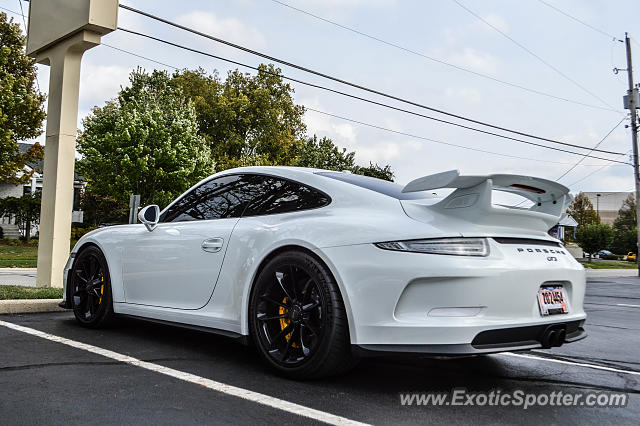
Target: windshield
<point x="378" y="185"/>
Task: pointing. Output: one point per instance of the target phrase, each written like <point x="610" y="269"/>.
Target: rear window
<point x="378" y="185"/>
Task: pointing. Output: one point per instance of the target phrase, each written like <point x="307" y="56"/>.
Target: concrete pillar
<point x="59" y="32"/>
<point x="59" y="154"/>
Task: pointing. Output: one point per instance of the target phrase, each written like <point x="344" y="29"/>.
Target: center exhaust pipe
<point x="553" y="336"/>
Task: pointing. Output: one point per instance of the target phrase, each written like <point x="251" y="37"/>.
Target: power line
<point x="21" y="13"/>
<point x="370" y="100"/>
<point x="329" y="77"/>
<point x="438" y="141"/>
<point x="439" y="61"/>
<point x="139" y="56"/>
<point x="10" y="11"/>
<point x="373" y="125"/>
<point x="598" y="144"/>
<point x="595" y="171"/>
<point x="103" y="44"/>
<point x="530" y="52"/>
<point x="586" y="24"/>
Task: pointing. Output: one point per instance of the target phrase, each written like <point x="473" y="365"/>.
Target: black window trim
<point x="255" y="215"/>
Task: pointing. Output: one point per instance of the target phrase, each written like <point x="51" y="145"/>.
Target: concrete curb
<point x="611" y="273"/>
<point x="26" y="306"/>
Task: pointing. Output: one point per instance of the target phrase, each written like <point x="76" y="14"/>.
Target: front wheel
<point x="298" y="320"/>
<point x="91" y="288"/>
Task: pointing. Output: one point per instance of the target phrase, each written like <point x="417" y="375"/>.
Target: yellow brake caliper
<point x="101" y="290"/>
<point x="284" y="322"/>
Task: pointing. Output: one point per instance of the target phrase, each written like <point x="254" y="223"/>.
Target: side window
<point x="283" y="196"/>
<point x="223" y="197"/>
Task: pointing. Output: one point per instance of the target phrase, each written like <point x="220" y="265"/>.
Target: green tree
<point x="625" y="241"/>
<point x="99" y="209"/>
<point x="374" y="170"/>
<point x="21" y="105"/>
<point x="595" y="237"/>
<point x="252" y="120"/>
<point x="581" y="209"/>
<point x="245" y="116"/>
<point x="625" y="227"/>
<point x="627" y="214"/>
<point x="25" y="209"/>
<point x="144" y="142"/>
<point x="323" y="154"/>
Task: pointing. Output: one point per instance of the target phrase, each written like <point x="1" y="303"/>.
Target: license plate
<point x="552" y="300"/>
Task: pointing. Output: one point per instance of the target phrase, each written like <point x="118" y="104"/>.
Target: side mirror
<point x="149" y="216"/>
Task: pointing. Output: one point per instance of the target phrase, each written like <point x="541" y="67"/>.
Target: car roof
<point x="271" y="169"/>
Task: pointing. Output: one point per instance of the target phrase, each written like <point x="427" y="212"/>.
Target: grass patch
<point x="609" y="264"/>
<point x="21" y="255"/>
<point x="10" y="292"/>
<point x="18" y="256"/>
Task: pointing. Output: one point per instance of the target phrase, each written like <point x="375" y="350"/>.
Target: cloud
<point x="463" y="95"/>
<point x="333" y="4"/>
<point x="99" y="83"/>
<point x="462" y="34"/>
<point x="343" y="134"/>
<point x="495" y="20"/>
<point x="228" y="28"/>
<point x="476" y="60"/>
<point x="368" y="144"/>
<point x="382" y="152"/>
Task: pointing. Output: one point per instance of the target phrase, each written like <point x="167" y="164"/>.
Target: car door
<point x="177" y="264"/>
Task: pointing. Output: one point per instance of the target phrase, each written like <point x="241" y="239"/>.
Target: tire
<point x="91" y="297"/>
<point x="297" y="318"/>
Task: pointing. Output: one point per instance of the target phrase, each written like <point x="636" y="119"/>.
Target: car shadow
<point x="224" y="359"/>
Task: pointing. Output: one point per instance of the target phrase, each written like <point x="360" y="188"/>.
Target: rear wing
<point x="472" y="196"/>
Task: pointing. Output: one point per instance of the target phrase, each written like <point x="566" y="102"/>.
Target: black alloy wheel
<point x="91" y="288"/>
<point x="297" y="318"/>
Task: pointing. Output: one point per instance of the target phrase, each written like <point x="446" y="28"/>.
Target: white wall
<point x="10" y="190"/>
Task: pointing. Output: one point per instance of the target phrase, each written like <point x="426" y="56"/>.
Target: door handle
<point x="212" y="245"/>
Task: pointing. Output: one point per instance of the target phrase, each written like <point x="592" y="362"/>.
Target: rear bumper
<point x="486" y="342"/>
<point x="439" y="304"/>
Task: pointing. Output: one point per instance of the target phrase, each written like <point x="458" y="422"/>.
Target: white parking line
<point x="192" y="378"/>
<point x="577" y="364"/>
<point x="628" y="306"/>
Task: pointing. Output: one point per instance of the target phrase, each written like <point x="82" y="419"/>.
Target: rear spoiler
<point x="549" y="198"/>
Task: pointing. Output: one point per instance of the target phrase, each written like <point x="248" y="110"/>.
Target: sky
<point x="565" y="58"/>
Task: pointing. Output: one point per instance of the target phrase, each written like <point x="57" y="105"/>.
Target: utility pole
<point x="632" y="94"/>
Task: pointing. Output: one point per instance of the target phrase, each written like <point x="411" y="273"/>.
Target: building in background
<point x="607" y="204"/>
<point x="566" y="225"/>
<point x="7" y="223"/>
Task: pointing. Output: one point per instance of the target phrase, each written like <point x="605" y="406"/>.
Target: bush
<point x="611" y="257"/>
<point x="33" y="243"/>
<point x="77" y="233"/>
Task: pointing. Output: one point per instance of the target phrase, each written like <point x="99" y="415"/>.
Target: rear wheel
<point x="91" y="288"/>
<point x="298" y="320"/>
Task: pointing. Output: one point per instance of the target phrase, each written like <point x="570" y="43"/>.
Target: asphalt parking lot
<point x="43" y="381"/>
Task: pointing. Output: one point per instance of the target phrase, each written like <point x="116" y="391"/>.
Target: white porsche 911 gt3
<point x="318" y="268"/>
